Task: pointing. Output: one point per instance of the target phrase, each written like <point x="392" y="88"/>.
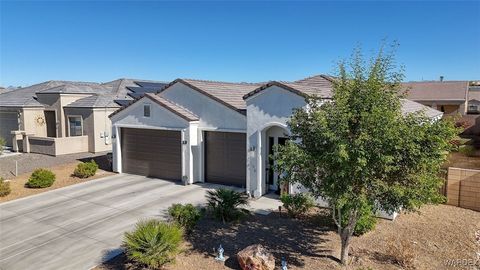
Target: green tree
<point x="359" y="148"/>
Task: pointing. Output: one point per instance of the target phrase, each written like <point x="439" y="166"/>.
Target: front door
<point x="272" y="176"/>
<point x="51" y="123"/>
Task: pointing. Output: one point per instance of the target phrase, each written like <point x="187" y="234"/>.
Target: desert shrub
<point x="86" y="169"/>
<point x="3" y="142"/>
<point x="366" y="221"/>
<point x="153" y="243"/>
<point x="468" y="150"/>
<point x="4" y="188"/>
<point x="297" y="204"/>
<point x="401" y="252"/>
<point x="186" y="215"/>
<point x="225" y="204"/>
<point x="41" y="178"/>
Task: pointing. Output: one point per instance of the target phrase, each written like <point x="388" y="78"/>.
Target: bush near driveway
<point x="4" y="188"/>
<point x="225" y="204"/>
<point x="186" y="215"/>
<point x="153" y="243"/>
<point x="41" y="178"/>
<point x="297" y="204"/>
<point x="86" y="169"/>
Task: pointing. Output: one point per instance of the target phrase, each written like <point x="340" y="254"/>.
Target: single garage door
<point x="225" y="158"/>
<point x="8" y="122"/>
<point x="154" y="153"/>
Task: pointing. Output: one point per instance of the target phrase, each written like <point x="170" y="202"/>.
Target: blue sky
<point x="231" y="41"/>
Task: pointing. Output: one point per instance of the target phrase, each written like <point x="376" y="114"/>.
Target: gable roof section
<point x="226" y="93"/>
<point x="167" y="104"/>
<point x="320" y="85"/>
<point x="409" y="106"/>
<point x="436" y="90"/>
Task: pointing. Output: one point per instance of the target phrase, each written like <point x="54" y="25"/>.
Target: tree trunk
<point x="346" y="234"/>
<point x="345" y="239"/>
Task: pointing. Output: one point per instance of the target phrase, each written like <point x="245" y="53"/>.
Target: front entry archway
<point x="274" y="135"/>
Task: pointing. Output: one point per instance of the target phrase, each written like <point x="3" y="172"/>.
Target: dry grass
<point x="63" y="178"/>
<point x="402" y="252"/>
<point x="432" y="236"/>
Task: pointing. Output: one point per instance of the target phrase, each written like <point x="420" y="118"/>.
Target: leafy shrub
<point x="3" y="142"/>
<point x="401" y="252"/>
<point x="86" y="169"/>
<point x="297" y="204"/>
<point x="153" y="243"/>
<point x="225" y="204"/>
<point x="41" y="178"/>
<point x="186" y="215"/>
<point x="468" y="150"/>
<point x="4" y="188"/>
<point x="366" y="222"/>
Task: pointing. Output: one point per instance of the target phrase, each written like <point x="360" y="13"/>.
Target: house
<point x="64" y="117"/>
<point x="218" y="132"/>
<point x="449" y="97"/>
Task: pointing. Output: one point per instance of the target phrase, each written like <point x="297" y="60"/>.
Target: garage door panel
<point x="8" y="123"/>
<point x="155" y="153"/>
<point x="225" y="158"/>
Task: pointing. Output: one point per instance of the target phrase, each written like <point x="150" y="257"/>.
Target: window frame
<point x="145" y="105"/>
<point x="81" y="124"/>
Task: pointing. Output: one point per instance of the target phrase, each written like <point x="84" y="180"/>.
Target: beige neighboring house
<point x="452" y="98"/>
<point x="449" y="97"/>
<point x="63" y="117"/>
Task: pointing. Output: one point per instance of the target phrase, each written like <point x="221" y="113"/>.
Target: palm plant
<point x="225" y="204"/>
<point x="153" y="243"/>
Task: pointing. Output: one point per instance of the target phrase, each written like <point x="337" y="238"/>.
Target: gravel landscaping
<point x="437" y="234"/>
<point x="27" y="162"/>
<point x="63" y="178"/>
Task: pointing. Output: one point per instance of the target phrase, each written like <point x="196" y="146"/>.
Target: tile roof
<point x="230" y="94"/>
<point x="173" y="107"/>
<point x="103" y="94"/>
<point x="409" y="106"/>
<point x="167" y="104"/>
<point x="320" y="85"/>
<point x="436" y="90"/>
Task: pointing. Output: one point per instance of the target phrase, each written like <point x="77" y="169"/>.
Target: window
<point x="473" y="108"/>
<point x="75" y="126"/>
<point x="146" y="110"/>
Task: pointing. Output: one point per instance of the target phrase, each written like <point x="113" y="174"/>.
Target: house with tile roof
<point x="453" y="98"/>
<point x="63" y="117"/>
<point x="218" y="132"/>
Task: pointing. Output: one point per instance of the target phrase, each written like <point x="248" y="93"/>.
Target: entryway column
<point x="258" y="192"/>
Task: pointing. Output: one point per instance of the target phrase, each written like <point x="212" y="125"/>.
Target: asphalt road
<point x="79" y="226"/>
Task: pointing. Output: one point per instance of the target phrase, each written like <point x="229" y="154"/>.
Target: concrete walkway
<point x="79" y="226"/>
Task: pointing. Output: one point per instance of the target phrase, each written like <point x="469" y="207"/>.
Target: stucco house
<point x="219" y="132"/>
<point x="63" y="117"/>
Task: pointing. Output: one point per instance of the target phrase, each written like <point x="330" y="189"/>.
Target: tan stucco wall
<point x="56" y="102"/>
<point x="103" y="125"/>
<point x="31" y="122"/>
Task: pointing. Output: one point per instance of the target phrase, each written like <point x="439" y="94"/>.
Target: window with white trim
<point x="75" y="126"/>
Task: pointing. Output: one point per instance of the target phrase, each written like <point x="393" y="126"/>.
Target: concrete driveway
<point x="78" y="226"/>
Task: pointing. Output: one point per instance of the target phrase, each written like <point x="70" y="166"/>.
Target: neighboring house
<point x="63" y="117"/>
<point x="207" y="131"/>
<point x="449" y="97"/>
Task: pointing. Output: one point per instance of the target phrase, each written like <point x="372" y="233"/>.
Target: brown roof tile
<point x="436" y="90"/>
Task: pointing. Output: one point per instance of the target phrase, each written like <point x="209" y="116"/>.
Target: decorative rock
<point x="256" y="257"/>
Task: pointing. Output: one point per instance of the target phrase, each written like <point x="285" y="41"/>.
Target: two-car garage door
<point x="158" y="153"/>
<point x="150" y="152"/>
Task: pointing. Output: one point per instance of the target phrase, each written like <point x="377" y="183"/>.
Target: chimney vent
<point x="441" y="78"/>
